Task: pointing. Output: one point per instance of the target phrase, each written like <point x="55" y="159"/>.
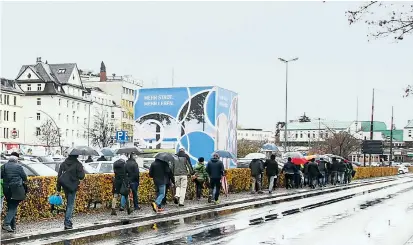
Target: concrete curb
<point x="236" y="204"/>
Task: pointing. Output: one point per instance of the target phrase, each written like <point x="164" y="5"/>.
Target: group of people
<point x="174" y="175"/>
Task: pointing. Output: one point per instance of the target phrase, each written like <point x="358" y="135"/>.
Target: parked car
<point x="403" y="170"/>
<point x="106" y="167"/>
<point x="36" y="169"/>
<point x="56" y="165"/>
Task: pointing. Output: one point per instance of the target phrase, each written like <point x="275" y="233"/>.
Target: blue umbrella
<point x="269" y="147"/>
<point x="225" y="154"/>
<point x="107" y="152"/>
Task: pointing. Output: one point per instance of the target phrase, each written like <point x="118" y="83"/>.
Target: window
<point x="78" y="106"/>
<point x="85" y="107"/>
<point x="6" y="115"/>
<point x="77" y="133"/>
<point x="14" y="116"/>
<point x="39" y="101"/>
<point x="60" y="101"/>
<point x="296" y="136"/>
<point x="314" y="135"/>
<point x="29" y="75"/>
<point x="59" y="116"/>
<point x="14" y="100"/>
<point x="73" y="119"/>
<point x="38" y="116"/>
<point x="67" y="103"/>
<point x="6" y="99"/>
<point x="112" y="115"/>
<point x="326" y="135"/>
<point x="73" y="77"/>
<point x="77" y="120"/>
<point x="61" y="71"/>
<point x="38" y="131"/>
<point x="29" y="87"/>
<point x="84" y="121"/>
<point x="73" y="105"/>
<point x="1" y="99"/>
<point x="321" y="135"/>
<point x="6" y="133"/>
<point x="67" y="118"/>
<point x="308" y="135"/>
<point x="39" y="87"/>
<point x="73" y="132"/>
<point x="67" y="132"/>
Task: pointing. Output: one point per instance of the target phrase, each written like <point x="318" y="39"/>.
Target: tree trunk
<point x="158" y="136"/>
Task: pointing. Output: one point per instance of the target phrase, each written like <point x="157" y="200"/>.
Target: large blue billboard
<point x="199" y="119"/>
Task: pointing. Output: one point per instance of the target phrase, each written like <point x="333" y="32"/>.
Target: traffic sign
<point x="14" y="133"/>
<point x="121" y="136"/>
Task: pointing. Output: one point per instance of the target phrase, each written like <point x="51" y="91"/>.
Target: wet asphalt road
<point x="383" y="217"/>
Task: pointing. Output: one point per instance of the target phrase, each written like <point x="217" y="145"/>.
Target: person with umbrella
<point x="313" y="173"/>
<point x="256" y="167"/>
<point x="160" y="172"/>
<point x="132" y="171"/>
<point x="289" y="170"/>
<point x="322" y="166"/>
<point x="272" y="172"/>
<point x="334" y="171"/>
<point x="120" y="183"/>
<point x="70" y="173"/>
<point x="215" y="169"/>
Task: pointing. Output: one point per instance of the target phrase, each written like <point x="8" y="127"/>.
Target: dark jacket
<point x="305" y="171"/>
<point x="160" y="172"/>
<point x="313" y="169"/>
<point x="334" y="166"/>
<point x="75" y="170"/>
<point x="89" y="159"/>
<point x="183" y="154"/>
<point x="132" y="170"/>
<point x="102" y="158"/>
<point x="342" y="167"/>
<point x="215" y="168"/>
<point x="322" y="166"/>
<point x="257" y="167"/>
<point x="120" y="175"/>
<point x="289" y="168"/>
<point x="13" y="175"/>
<point x="271" y="167"/>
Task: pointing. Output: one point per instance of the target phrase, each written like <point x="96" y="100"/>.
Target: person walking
<point x="200" y="177"/>
<point x="182" y="153"/>
<point x="322" y="166"/>
<point x="1" y="196"/>
<point x="132" y="171"/>
<point x="305" y="172"/>
<point x="120" y="184"/>
<point x="215" y="169"/>
<point x="181" y="167"/>
<point x="271" y="167"/>
<point x="334" y="171"/>
<point x="342" y="167"/>
<point x="313" y="173"/>
<point x="14" y="179"/>
<point x="288" y="169"/>
<point x="160" y="172"/>
<point x="257" y="167"/>
<point x="89" y="159"/>
<point x="70" y="173"/>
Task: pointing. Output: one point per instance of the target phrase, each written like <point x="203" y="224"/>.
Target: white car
<point x="403" y="170"/>
<point x="106" y="167"/>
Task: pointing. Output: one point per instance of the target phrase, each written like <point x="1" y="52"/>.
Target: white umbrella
<point x="293" y="155"/>
<point x="255" y="156"/>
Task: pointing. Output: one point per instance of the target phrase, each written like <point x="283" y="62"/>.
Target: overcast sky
<point x="234" y="45"/>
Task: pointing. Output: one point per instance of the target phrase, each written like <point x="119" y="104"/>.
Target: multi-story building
<point x="255" y="135"/>
<point x="54" y="92"/>
<point x="11" y="114"/>
<point x="408" y="132"/>
<point x="122" y="88"/>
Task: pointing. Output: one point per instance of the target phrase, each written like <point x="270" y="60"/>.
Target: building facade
<point x="122" y="88"/>
<point x="11" y="114"/>
<point x="256" y="135"/>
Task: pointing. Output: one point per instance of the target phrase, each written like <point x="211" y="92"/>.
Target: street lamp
<point x="24" y="128"/>
<point x="286" y="98"/>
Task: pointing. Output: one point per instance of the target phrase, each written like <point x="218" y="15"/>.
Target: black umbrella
<point x="129" y="150"/>
<point x="82" y="150"/>
<point x="165" y="156"/>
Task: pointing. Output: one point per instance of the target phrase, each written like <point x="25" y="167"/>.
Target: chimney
<point x="39" y="60"/>
<point x="103" y="77"/>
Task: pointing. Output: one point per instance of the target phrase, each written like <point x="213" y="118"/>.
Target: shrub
<point x="98" y="188"/>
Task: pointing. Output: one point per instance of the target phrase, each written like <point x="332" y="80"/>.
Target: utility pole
<point x="371" y="124"/>
<point x="286" y="99"/>
<point x="391" y="138"/>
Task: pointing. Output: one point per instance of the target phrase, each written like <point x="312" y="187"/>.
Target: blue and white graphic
<point x="199" y="119"/>
<point x="121" y="136"/>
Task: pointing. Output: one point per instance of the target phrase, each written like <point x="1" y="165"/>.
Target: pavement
<point x="83" y="222"/>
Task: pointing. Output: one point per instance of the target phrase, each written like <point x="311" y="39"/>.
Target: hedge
<point x="98" y="188"/>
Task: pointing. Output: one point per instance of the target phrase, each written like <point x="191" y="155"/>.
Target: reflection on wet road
<point x="381" y="217"/>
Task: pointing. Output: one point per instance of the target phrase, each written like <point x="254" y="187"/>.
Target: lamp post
<point x="286" y="98"/>
<point x="24" y="128"/>
<point x="58" y="129"/>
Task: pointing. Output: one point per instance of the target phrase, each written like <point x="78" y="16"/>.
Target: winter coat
<point x="257" y="167"/>
<point x="132" y="171"/>
<point x="183" y="154"/>
<point x="160" y="172"/>
<point x="342" y="167"/>
<point x="305" y="171"/>
<point x="334" y="166"/>
<point x="322" y="166"/>
<point x="13" y="176"/>
<point x="74" y="169"/>
<point x="215" y="168"/>
<point x="181" y="167"/>
<point x="200" y="172"/>
<point x="289" y="168"/>
<point x="120" y="175"/>
<point x="313" y="169"/>
<point x="271" y="167"/>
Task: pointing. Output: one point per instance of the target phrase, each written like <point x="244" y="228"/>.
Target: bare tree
<point x="49" y="134"/>
<point x="244" y="147"/>
<point x="102" y="132"/>
<point x="385" y="19"/>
